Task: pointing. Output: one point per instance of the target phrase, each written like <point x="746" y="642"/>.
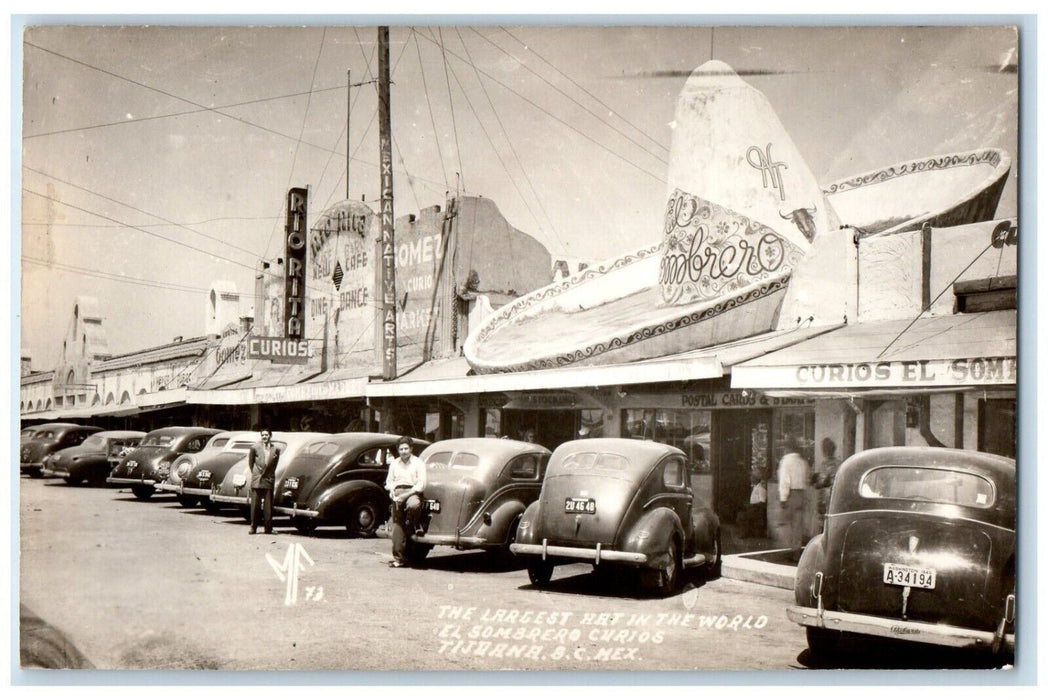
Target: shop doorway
<point x="549" y="428"/>
<point x="740" y="446"/>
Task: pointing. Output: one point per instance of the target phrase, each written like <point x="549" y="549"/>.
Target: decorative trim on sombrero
<point x="992" y="157"/>
<point x="514" y="308"/>
<point x="634" y="336"/>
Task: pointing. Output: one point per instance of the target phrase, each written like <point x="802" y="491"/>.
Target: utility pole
<point x="349" y="87"/>
<point x="389" y="286"/>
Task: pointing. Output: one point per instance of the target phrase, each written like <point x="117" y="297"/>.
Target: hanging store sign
<point x="295" y="267"/>
<point x="280" y="351"/>
<point x="968" y="371"/>
<point x="710" y="400"/>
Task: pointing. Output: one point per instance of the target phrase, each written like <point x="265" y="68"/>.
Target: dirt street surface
<point x="149" y="584"/>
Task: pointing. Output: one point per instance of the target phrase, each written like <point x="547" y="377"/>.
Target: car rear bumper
<point x="169" y="488"/>
<point x="296" y="512"/>
<point x="123" y="480"/>
<point x="241" y="500"/>
<point x="944" y="635"/>
<point x="30" y="466"/>
<point x="453" y="541"/>
<point x="596" y="555"/>
<point x="60" y="473"/>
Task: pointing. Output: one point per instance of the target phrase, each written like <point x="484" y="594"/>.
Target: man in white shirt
<point x="793" y="481"/>
<point x="405" y="482"/>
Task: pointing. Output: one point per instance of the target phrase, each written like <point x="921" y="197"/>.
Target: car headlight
<point x="239" y="480"/>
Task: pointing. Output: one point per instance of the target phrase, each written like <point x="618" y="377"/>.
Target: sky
<point x="155" y="160"/>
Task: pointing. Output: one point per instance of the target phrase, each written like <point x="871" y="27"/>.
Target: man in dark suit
<point x="262" y="458"/>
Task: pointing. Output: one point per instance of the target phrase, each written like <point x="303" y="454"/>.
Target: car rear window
<point x="439" y="460"/>
<point x="44" y="434"/>
<point x="321" y="449"/>
<point x="242" y="446"/>
<point x="934" y="485"/>
<point x="158" y="440"/>
<point x="465" y="461"/>
<point x="95" y="441"/>
<point x="607" y="461"/>
<point x="220" y="442"/>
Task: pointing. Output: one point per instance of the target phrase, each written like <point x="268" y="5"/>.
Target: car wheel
<point x="713" y="569"/>
<point x="73" y="480"/>
<point x="664" y="580"/>
<point x="209" y="505"/>
<point x="363" y="518"/>
<point x="187" y="501"/>
<point x="823" y="642"/>
<point x="142" y="492"/>
<point x="245" y="513"/>
<point x="415" y="553"/>
<point x="540" y="572"/>
<point x="305" y="526"/>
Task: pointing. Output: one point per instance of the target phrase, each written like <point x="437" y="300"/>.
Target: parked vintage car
<point x="172" y="474"/>
<point x="339" y="480"/>
<point x="235" y="487"/>
<point x="89" y="461"/>
<point x="918" y="544"/>
<point x="476" y="491"/>
<point x="189" y="476"/>
<point x="141" y="467"/>
<point x="48" y="439"/>
<point x="619" y="502"/>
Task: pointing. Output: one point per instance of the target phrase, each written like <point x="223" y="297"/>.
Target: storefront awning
<point x="286" y="385"/>
<point x="442" y="377"/>
<point x="959" y="350"/>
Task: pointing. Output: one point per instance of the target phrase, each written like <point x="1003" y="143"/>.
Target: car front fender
<point x="811" y="562"/>
<point x="502" y="518"/>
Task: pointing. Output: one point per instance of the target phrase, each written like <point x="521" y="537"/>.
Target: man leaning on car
<point x="405" y="482"/>
<point x="262" y="459"/>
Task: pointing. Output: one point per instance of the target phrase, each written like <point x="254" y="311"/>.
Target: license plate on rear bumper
<point x="914" y="576"/>
<point x="432" y="505"/>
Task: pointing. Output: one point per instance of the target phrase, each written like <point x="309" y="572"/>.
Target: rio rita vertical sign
<point x="295" y="267"/>
<point x="389" y="288"/>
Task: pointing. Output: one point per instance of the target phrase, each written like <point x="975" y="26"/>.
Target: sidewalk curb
<point x="745" y="568"/>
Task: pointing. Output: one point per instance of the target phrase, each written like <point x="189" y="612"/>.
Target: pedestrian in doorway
<point x="529" y="435"/>
<point x="793" y="483"/>
<point x="825" y="473"/>
<point x="405" y="482"/>
<point x="262" y="459"/>
<point x="757" y="510"/>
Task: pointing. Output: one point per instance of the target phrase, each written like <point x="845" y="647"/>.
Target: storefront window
<point x="687" y="430"/>
<point x="591" y="423"/>
<point x="798" y="423"/>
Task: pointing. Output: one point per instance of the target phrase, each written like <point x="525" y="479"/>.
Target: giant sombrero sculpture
<point x="744" y="217"/>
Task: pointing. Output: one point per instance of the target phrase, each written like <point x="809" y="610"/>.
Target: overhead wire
<point x="140" y="211"/>
<point x="599" y="101"/>
<point x="298" y="141"/>
<point x="557" y="119"/>
<point x="451" y="103"/>
<point x="429" y="104"/>
<point x="115" y="277"/>
<point x="595" y="115"/>
<point x="505" y="133"/>
<point x="931" y="303"/>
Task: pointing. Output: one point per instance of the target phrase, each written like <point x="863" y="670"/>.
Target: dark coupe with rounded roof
<point x="141" y="468"/>
<point x="89" y="461"/>
<point x="339" y="480"/>
<point x="918" y="544"/>
<point x="476" y="491"/>
<point x="619" y="502"/>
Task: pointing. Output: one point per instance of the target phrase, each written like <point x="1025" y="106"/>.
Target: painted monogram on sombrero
<point x="711" y="251"/>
